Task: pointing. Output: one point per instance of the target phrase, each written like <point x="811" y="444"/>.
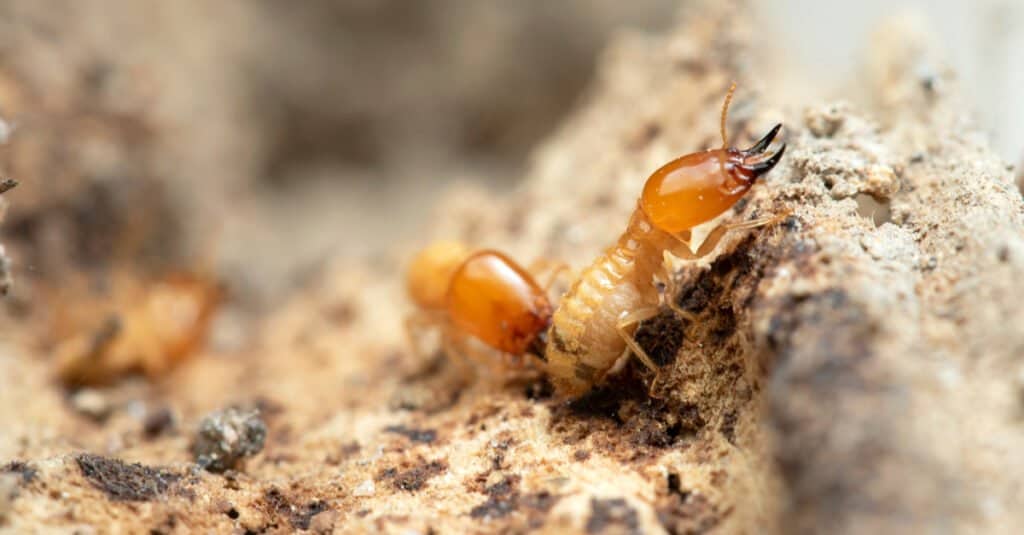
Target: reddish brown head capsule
<point x="483" y="295"/>
<point x="699" y="187"/>
<point x="495" y="300"/>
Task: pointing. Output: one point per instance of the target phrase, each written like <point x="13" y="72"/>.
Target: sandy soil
<point x="856" y="368"/>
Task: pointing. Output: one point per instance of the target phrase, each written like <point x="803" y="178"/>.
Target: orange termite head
<point x="497" y="301"/>
<point x="699" y="187"/>
<point x="431" y="271"/>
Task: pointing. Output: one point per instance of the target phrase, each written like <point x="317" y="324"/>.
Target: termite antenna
<point x="725" y="114"/>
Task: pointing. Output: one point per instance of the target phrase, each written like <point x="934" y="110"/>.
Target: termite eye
<point x="699" y="187"/>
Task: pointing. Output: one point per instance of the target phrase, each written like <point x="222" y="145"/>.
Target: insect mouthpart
<point x="760" y="166"/>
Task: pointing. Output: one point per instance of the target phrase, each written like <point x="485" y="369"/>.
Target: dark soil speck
<point x="122" y="481"/>
<point x="504" y="498"/>
<point x="26" y="471"/>
<point x="277" y="504"/>
<point x="683" y="511"/>
<point x="662" y="337"/>
<point x="158" y="422"/>
<point x="414" y="478"/>
<point x="423" y="436"/>
<point x="615" y="512"/>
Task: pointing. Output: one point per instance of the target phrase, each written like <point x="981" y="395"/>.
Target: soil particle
<point x="686" y="512"/>
<point x="606" y="400"/>
<point x="541" y="501"/>
<point x="504" y="498"/>
<point x="612" y="516"/>
<point x="26" y="471"/>
<point x="226" y="437"/>
<point x="92" y="403"/>
<point x="624" y="422"/>
<point x="158" y="422"/>
<point x="540" y="389"/>
<point x="7" y="184"/>
<point x="423" y="436"/>
<point x="728" y="427"/>
<point x="662" y="336"/>
<point x="712" y="287"/>
<point x="825" y="121"/>
<point x="412" y="479"/>
<point x="278" y="505"/>
<point x="122" y="481"/>
<point x="323" y="522"/>
<point x="496" y="506"/>
<point x="434" y="387"/>
<point x="658" y="431"/>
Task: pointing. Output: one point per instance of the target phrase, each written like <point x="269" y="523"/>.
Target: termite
<point x="593" y="326"/>
<point x="149" y="327"/>
<point x="482" y="295"/>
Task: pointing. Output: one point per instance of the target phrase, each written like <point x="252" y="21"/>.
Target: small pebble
<point x="157" y="422"/>
<point x="225" y="437"/>
<point x="92" y="403"/>
<point x="825" y="121"/>
<point x="366" y="488"/>
<point x="323" y="522"/>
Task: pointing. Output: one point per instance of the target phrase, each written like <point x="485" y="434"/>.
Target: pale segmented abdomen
<point x="584" y="343"/>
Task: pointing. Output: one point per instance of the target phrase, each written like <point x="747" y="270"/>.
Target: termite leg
<point x="516" y="368"/>
<point x="685" y="251"/>
<point x="553" y="269"/>
<point x="715" y="236"/>
<point x="453" y="344"/>
<point x="415" y="325"/>
<point x="671" y="291"/>
<point x="629" y="319"/>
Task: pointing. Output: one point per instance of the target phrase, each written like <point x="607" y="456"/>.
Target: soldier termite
<point x="593" y="326"/>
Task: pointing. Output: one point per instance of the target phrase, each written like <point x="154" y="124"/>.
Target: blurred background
<point x="256" y="139"/>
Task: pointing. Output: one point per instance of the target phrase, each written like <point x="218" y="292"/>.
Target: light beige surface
<point x="852" y="372"/>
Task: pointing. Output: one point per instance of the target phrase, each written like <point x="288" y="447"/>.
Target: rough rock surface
<point x="856" y="368"/>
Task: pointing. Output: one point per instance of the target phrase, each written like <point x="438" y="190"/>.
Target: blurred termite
<point x="146" y="327"/>
<point x="483" y="296"/>
<point x="593" y="327"/>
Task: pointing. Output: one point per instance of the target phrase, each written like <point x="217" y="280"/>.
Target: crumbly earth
<point x="226" y="437"/>
<point x="855" y="368"/>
